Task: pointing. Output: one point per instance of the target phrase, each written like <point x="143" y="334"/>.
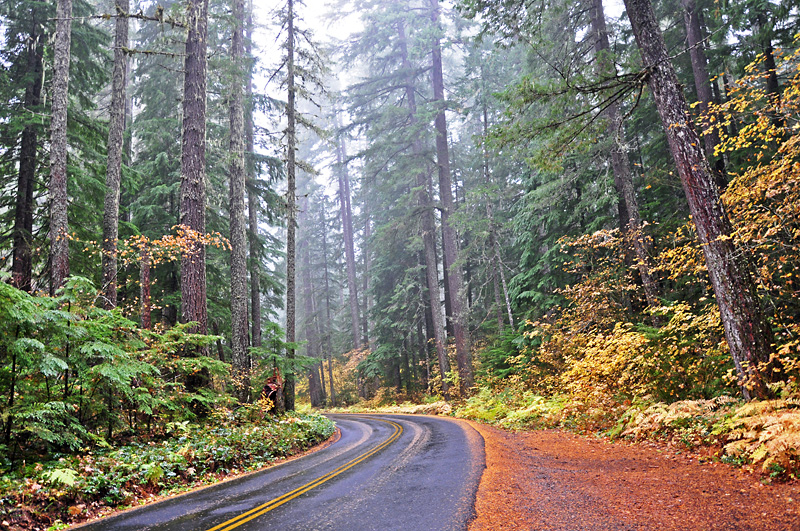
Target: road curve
<point x="385" y="472"/>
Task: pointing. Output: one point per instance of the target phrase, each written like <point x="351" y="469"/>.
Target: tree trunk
<point x="702" y="82"/>
<point x="455" y="277"/>
<point x="22" y="267"/>
<point x="239" y="329"/>
<point x="423" y="354"/>
<point x="193" y="162"/>
<point x="428" y="225"/>
<point x="620" y="164"/>
<point x="448" y="306"/>
<point x="347" y="231"/>
<point x="59" y="230"/>
<point x="367" y="303"/>
<point x="764" y="37"/>
<point x="314" y="387"/>
<point x="329" y="324"/>
<point x="310" y="317"/>
<point x="765" y="41"/>
<point x="746" y="329"/>
<point x="220" y="350"/>
<point x="252" y="195"/>
<point x="405" y="365"/>
<point x="290" y="206"/>
<point x="498" y="303"/>
<point x="144" y="285"/>
<point x="116" y="137"/>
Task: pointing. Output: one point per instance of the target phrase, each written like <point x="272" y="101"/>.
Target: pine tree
<point x="59" y="231"/>
<point x="428" y="228"/>
<point x="193" y="162"/>
<point x="630" y="218"/>
<point x="291" y="214"/>
<point x="451" y="264"/>
<point x="30" y="68"/>
<point x="346" y="215"/>
<point x="238" y="238"/>
<point x="252" y="196"/>
<point x="115" y="147"/>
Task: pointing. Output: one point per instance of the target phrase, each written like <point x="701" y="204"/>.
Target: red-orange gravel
<point x="553" y="480"/>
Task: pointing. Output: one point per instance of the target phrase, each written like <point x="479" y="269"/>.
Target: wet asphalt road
<point x="386" y="472"/>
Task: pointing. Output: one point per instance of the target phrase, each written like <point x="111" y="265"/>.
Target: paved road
<point x="386" y="472"/>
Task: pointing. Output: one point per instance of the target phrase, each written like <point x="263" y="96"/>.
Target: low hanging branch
<point x="159" y="16"/>
<point x="133" y="51"/>
<point x="612" y="89"/>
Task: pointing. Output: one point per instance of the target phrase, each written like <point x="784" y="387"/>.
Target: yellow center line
<point x="277" y="502"/>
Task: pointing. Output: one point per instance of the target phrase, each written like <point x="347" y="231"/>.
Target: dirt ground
<point x="553" y="480"/>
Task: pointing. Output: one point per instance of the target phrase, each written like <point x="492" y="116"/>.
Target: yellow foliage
<point x="610" y="364"/>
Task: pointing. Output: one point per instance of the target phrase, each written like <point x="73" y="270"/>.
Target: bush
<point x="113" y="477"/>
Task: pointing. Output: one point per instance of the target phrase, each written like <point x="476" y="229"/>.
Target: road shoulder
<point x="551" y="479"/>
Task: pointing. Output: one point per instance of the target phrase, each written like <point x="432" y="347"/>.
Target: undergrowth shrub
<point x="71" y="485"/>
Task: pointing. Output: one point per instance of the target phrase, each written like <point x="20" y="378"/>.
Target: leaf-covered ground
<point x="554" y="480"/>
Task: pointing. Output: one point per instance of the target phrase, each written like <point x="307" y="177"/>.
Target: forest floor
<point x="556" y="480"/>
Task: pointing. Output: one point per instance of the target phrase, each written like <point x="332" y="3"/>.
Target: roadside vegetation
<point x="50" y="491"/>
<point x="101" y="413"/>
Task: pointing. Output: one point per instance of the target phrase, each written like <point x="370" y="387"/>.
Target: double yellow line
<point x="277" y="502"/>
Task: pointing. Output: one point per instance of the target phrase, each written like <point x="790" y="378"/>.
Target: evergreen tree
<point x="451" y="266"/>
<point x="59" y="231"/>
<point x="239" y="323"/>
<point x="24" y="37"/>
<point x="116" y="130"/>
<point x="193" y="166"/>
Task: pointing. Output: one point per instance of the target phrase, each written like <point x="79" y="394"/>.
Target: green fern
<point x="61" y="476"/>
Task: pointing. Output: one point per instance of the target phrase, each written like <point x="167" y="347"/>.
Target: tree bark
<point x="347" y="230"/>
<point x="238" y="238"/>
<point x="252" y="195"/>
<point x="290" y="205"/>
<point x="455" y="277"/>
<point x="22" y="266"/>
<point x="59" y="229"/>
<point x="367" y="301"/>
<point x="193" y="162"/>
<point x="765" y="41"/>
<point x="144" y="286"/>
<point x="116" y="134"/>
<point x="427" y="222"/>
<point x="328" y="321"/>
<point x="309" y="320"/>
<point x="424" y="355"/>
<point x="746" y="329"/>
<point x="620" y="164"/>
<point x="702" y="82"/>
<point x="764" y="37"/>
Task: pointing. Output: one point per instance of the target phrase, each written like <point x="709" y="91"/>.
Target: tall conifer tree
<point x="291" y="215"/>
<point x="193" y="166"/>
<point x="116" y="130"/>
<point x="455" y="279"/>
<point x="59" y="229"/>
<point x="238" y="229"/>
